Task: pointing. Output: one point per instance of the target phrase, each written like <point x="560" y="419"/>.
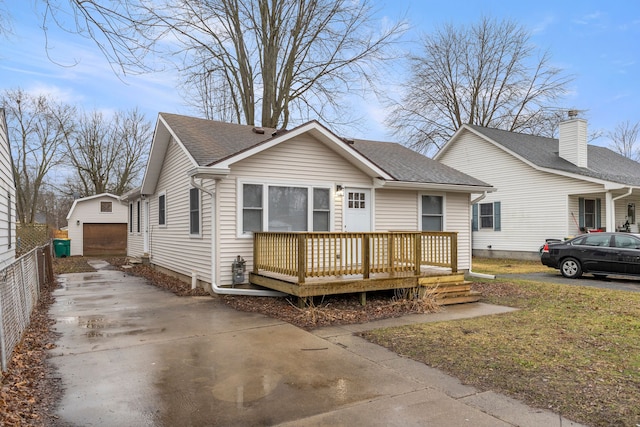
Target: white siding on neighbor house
<point x="7" y="199"/>
<point x="135" y="238"/>
<point x="302" y="161"/>
<point x="171" y="246"/>
<point x="88" y="212"/>
<point x="534" y="204"/>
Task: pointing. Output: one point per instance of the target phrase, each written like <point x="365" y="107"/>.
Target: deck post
<point x="363" y="298"/>
<point x="391" y="251"/>
<point x="302" y="257"/>
<point x="454" y="253"/>
<point x="366" y="255"/>
<point x="417" y="252"/>
<point x="256" y="253"/>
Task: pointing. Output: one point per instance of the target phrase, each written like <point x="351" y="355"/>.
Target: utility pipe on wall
<point x="215" y="245"/>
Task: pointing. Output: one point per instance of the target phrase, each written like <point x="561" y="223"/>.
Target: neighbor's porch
<point x="307" y="264"/>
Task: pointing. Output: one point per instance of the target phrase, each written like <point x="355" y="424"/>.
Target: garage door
<point x="104" y="239"/>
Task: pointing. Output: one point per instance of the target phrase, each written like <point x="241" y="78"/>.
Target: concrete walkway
<point x="130" y="354"/>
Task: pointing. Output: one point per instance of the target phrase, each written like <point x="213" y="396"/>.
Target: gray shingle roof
<point x="210" y="142"/>
<point x="602" y="163"/>
<point x="407" y="165"/>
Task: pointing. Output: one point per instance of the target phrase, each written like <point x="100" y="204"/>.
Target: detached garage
<point x="98" y="226"/>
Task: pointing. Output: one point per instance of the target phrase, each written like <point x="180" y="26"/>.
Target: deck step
<point x="452" y="291"/>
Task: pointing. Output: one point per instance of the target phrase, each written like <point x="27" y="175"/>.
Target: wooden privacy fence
<point x="305" y="254"/>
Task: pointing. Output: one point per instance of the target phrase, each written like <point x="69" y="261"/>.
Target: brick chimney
<point x="573" y="140"/>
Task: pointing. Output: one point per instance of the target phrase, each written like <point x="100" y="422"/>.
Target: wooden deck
<point x="316" y="264"/>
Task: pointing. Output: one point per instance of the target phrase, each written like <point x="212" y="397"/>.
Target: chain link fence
<point x="20" y="285"/>
<point x="31" y="236"/>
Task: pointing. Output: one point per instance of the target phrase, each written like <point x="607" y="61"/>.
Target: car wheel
<point x="570" y="268"/>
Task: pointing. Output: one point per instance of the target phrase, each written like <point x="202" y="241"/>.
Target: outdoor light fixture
<point x="78" y="222"/>
<point x="339" y="190"/>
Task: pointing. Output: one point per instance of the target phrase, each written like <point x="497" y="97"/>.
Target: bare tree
<point x="273" y="60"/>
<point x="107" y="156"/>
<point x="624" y="139"/>
<point x="487" y="74"/>
<point x="38" y="127"/>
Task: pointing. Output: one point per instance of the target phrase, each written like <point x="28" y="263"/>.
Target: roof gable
<point x="542" y="153"/>
<point x="89" y="198"/>
<point x="214" y="147"/>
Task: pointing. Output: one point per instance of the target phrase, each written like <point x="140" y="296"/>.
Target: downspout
<point x="472" y="273"/>
<point x="215" y="244"/>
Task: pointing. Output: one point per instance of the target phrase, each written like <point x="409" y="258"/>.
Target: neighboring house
<point x="545" y="187"/>
<point x="7" y="197"/>
<point x="209" y="185"/>
<point x="97" y="226"/>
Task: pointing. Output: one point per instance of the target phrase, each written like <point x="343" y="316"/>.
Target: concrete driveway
<point x="130" y="354"/>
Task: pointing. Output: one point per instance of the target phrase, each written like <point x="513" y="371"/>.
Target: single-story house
<point x="294" y="203"/>
<point x="7" y="197"/>
<point x="545" y="187"/>
<point x="97" y="226"/>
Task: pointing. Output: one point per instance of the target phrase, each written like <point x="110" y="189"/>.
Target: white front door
<point x="357" y="208"/>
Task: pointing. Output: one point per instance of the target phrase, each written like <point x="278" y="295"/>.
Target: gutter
<point x="215" y="245"/>
<point x="472" y="273"/>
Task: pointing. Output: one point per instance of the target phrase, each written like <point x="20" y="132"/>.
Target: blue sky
<point x="598" y="42"/>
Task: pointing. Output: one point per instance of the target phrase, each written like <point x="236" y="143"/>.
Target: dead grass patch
<point x="573" y="350"/>
<point x="507" y="266"/>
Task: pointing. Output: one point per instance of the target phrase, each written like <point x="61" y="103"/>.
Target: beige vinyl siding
<point x="396" y="210"/>
<point x="458" y="219"/>
<point x="533" y="202"/>
<point x="301" y="161"/>
<point x="88" y="212"/>
<point x="7" y="192"/>
<point x="171" y="246"/>
<point x="135" y="239"/>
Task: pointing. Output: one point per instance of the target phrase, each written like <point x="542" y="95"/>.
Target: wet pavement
<point x="131" y="354"/>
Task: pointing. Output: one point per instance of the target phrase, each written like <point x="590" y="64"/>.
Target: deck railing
<point x="306" y="255"/>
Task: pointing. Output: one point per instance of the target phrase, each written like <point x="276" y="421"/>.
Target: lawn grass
<point x="571" y="349"/>
<point x="508" y="266"/>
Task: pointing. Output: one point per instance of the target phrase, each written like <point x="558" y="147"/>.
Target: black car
<point x="600" y="254"/>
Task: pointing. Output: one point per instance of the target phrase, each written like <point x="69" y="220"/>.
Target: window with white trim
<point x="106" y="207"/>
<point x="194" y="211"/>
<point x="486" y="215"/>
<point x="251" y="208"/>
<point x="321" y="209"/>
<point x="267" y="207"/>
<point x="162" y="209"/>
<point x="590" y="213"/>
<point x="432" y="213"/>
<point x="138" y="217"/>
<point x="131" y="217"/>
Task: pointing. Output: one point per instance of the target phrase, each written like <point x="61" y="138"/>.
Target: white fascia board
<point x="324" y="135"/>
<point x="452" y="188"/>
